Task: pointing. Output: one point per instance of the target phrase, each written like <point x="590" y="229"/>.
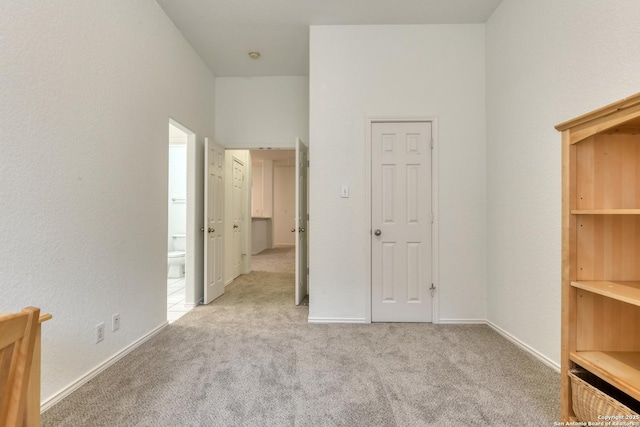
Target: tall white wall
<point x="254" y="112"/>
<point x="284" y="205"/>
<point x="87" y="92"/>
<point x="417" y="70"/>
<point x="177" y="191"/>
<point x="257" y="204"/>
<point x="547" y="62"/>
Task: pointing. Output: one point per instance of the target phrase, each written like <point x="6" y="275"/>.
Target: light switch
<point x="345" y="191"/>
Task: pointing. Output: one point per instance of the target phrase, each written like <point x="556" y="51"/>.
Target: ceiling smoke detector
<point x="254" y="54"/>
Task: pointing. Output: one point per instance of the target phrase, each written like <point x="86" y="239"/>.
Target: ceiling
<point x="223" y="32"/>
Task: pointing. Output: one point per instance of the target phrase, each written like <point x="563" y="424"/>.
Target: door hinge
<point x="432" y="217"/>
<point x="307" y="270"/>
<point x="308" y="163"/>
<point x="432" y="143"/>
<point x="433" y="290"/>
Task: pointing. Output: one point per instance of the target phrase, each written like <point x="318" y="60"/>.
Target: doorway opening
<point x="179" y="276"/>
<point x="271" y="233"/>
<point x="272" y="199"/>
<point x="273" y="212"/>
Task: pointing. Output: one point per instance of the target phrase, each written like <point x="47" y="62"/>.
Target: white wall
<point x="87" y="92"/>
<point x="267" y="189"/>
<point x="257" y="205"/>
<point x="254" y="112"/>
<point x="416" y="70"/>
<point x="547" y="62"/>
<point x="284" y="205"/>
<point x="260" y="235"/>
<point x="177" y="190"/>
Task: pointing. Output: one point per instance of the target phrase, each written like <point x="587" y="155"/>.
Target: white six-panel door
<point x="213" y="221"/>
<point x="401" y="221"/>
<point x="238" y="177"/>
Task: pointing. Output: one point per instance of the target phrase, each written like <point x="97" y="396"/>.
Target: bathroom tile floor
<point x="175" y="299"/>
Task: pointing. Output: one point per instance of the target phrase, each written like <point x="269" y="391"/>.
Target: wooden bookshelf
<point x="628" y="292"/>
<point x="605" y="212"/>
<point x="601" y="248"/>
<point x="619" y="368"/>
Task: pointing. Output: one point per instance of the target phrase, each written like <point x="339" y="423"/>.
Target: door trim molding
<point x="194" y="239"/>
<point x="369" y="121"/>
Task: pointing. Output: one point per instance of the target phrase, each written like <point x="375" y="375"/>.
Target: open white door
<point x="238" y="203"/>
<point x="302" y="157"/>
<point x="213" y="221"/>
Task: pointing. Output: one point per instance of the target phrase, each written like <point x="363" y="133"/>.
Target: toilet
<point x="175" y="258"/>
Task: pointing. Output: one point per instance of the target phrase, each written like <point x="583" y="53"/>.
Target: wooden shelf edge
<point x="609" y="109"/>
<point x="605" y="211"/>
<point x="619" y="368"/>
<point x="624" y="291"/>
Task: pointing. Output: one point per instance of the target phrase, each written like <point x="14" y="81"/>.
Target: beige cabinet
<point x="601" y="250"/>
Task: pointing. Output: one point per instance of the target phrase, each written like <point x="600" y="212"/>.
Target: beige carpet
<point x="278" y="260"/>
<point x="251" y="359"/>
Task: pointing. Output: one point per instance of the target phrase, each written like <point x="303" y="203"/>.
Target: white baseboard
<point x="190" y="306"/>
<point x="461" y="322"/>
<point x="544" y="359"/>
<point x="57" y="397"/>
<point x="335" y="320"/>
<point x="541" y="357"/>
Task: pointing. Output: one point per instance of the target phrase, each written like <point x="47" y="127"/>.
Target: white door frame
<point x="434" y="206"/>
<point x="193" y="239"/>
<point x="291" y="147"/>
<point x="301" y="226"/>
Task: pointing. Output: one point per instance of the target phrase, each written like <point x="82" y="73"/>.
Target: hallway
<point x="277" y="260"/>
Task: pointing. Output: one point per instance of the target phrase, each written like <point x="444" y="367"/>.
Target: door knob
<point x="202" y="229"/>
<point x="212" y="230"/>
<point x="293" y="230"/>
<point x="235" y="226"/>
<point x="377" y="232"/>
<point x="301" y="230"/>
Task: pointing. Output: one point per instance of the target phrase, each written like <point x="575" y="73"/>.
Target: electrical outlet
<point x="115" y="322"/>
<point x="99" y="332"/>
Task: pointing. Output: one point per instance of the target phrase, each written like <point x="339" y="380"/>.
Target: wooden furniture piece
<point x="601" y="248"/>
<point x="33" y="395"/>
<point x="17" y="343"/>
<point x="20" y="345"/>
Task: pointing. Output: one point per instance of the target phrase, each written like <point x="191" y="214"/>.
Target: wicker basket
<point x="591" y="403"/>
